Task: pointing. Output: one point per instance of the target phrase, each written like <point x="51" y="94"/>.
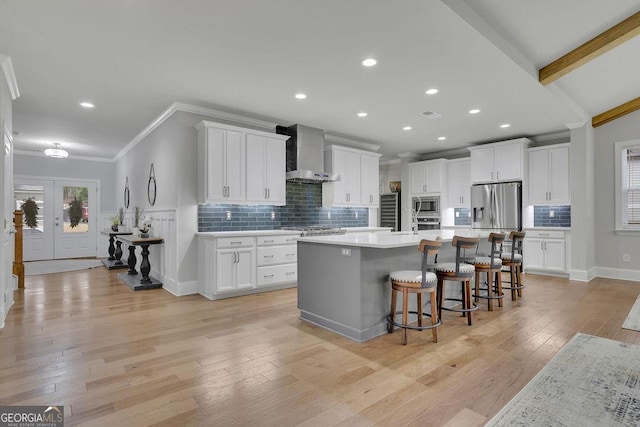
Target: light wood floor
<point x="112" y="356"/>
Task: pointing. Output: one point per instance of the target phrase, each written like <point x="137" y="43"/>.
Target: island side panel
<point x="329" y="287"/>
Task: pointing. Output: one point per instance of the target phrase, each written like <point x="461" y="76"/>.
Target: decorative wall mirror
<point x="126" y="193"/>
<point x="151" y="187"/>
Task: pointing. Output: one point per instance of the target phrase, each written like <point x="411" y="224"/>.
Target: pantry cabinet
<point x="549" y="175"/>
<point x="499" y="162"/>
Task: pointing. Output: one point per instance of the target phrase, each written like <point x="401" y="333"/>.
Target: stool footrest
<point x="473" y="307"/>
<point x="417" y="328"/>
<point x="487" y="296"/>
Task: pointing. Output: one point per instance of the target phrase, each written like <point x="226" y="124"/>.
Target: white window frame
<point x="621" y="227"/>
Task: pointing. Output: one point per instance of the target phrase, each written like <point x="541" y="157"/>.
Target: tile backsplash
<point x="561" y="216"/>
<point x="462" y="216"/>
<point x="304" y="207"/>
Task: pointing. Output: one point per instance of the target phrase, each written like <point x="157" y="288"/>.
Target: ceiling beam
<point x="595" y="47"/>
<point x="615" y="113"/>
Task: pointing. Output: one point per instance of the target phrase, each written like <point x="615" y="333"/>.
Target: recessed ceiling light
<point x="474" y="111"/>
<point x="301" y="95"/>
<point x="505" y="125"/>
<point x="431" y="91"/>
<point x="407" y="128"/>
<point x="87" y="105"/>
<point x="363" y="114"/>
<point x="369" y="62"/>
<point x="442" y="138"/>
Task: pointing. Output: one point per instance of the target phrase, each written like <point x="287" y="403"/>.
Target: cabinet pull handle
<point x="492" y="176"/>
<point x="268" y="241"/>
<point x="267" y="276"/>
<point x="265" y="193"/>
<point x="268" y="193"/>
<point x="541" y="246"/>
<point x="236" y="243"/>
<point x="290" y="273"/>
<point x="543" y="234"/>
<point x="267" y="256"/>
<point x="292" y="254"/>
<point x="497" y="174"/>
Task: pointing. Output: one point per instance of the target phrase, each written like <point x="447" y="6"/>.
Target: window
<point x="627" y="163"/>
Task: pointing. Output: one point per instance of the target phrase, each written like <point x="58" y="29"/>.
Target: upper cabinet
<point x="459" y="183"/>
<point x="359" y="176"/>
<point x="501" y="161"/>
<point x="239" y="165"/>
<point x="549" y="175"/>
<point x="266" y="164"/>
<point x="428" y="177"/>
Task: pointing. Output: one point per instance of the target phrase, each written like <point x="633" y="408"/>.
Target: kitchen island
<point x="343" y="281"/>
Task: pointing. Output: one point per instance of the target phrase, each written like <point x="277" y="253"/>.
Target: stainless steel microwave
<point x="426" y="206"/>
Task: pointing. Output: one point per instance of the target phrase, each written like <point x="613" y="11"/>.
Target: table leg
<point x="111" y="247"/>
<point x="118" y="252"/>
<point x="132" y="260"/>
<point x="145" y="266"/>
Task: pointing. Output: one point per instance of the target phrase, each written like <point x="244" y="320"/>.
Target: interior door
<point x="6" y="249"/>
<point x="75" y="219"/>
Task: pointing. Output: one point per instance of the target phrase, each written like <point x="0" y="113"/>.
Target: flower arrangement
<point x="145" y="227"/>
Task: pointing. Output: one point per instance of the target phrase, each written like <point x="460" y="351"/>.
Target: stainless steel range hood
<point x="305" y="155"/>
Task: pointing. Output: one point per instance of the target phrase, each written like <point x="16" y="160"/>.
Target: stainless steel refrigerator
<point x="497" y="206"/>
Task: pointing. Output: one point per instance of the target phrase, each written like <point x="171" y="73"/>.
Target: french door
<point x="67" y="218"/>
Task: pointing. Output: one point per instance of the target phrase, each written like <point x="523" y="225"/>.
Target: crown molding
<point x="390" y="162"/>
<point x="71" y="156"/>
<point x="408" y="155"/>
<point x="194" y="109"/>
<point x="9" y="75"/>
<point x="352" y="142"/>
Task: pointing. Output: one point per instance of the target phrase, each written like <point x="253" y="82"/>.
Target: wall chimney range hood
<point x="305" y="154"/>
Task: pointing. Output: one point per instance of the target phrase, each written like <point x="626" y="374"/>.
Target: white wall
<point x="610" y="247"/>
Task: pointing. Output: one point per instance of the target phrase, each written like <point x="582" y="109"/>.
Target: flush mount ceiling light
<point x="474" y="111"/>
<point x="442" y="138"/>
<point x="407" y="128"/>
<point x="369" y="62"/>
<point x="87" y="105"/>
<point x="56" y="152"/>
<point x="505" y="125"/>
<point x="363" y="114"/>
<point x="301" y="95"/>
<point x="431" y="91"/>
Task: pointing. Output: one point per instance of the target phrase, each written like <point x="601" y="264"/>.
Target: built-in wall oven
<point x="428" y="223"/>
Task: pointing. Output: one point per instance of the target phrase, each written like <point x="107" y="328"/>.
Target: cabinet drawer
<point x="234" y="242"/>
<point x="545" y="234"/>
<point x="268" y="255"/>
<point x="277" y="274"/>
<point x="277" y="240"/>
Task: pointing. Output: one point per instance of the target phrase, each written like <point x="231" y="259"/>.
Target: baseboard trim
<point x="617" y="273"/>
<point x="582" y="275"/>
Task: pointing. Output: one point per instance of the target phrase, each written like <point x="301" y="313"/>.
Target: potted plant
<point x="30" y="209"/>
<point x="115" y="220"/>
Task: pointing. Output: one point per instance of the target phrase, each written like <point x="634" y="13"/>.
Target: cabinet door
<point x="533" y="254"/>
<point x="465" y="184"/>
<point x="508" y="162"/>
<point x="256" y="168"/>
<point x="215" y="168"/>
<point x="235" y="166"/>
<point x="433" y="177"/>
<point x="559" y="175"/>
<point x="341" y="166"/>
<point x="276" y="171"/>
<point x="539" y="177"/>
<point x="369" y="180"/>
<point x="454" y="183"/>
<point x="555" y="255"/>
<point x="418" y="179"/>
<point x="245" y="268"/>
<point x="225" y="270"/>
<point x="353" y="169"/>
<point x="482" y="165"/>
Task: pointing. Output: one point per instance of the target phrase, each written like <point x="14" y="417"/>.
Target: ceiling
<point x="134" y="59"/>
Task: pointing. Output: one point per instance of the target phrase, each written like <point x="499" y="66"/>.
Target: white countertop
<point x="248" y="233"/>
<point x="547" y="228"/>
<point x="390" y="240"/>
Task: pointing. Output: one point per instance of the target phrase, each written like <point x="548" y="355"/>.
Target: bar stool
<point x="513" y="261"/>
<point x="492" y="266"/>
<point x="458" y="272"/>
<point x="416" y="282"/>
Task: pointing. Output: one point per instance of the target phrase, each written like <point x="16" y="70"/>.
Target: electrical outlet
<point x="345" y="252"/>
<point x="356" y="214"/>
<point x="228" y="215"/>
<point x="273" y="215"/>
<point x="329" y="215"/>
<point x="626" y="257"/>
<point x="552" y="214"/>
<point x="457" y="214"/>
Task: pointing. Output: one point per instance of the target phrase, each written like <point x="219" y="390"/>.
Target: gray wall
<point x="610" y="247"/>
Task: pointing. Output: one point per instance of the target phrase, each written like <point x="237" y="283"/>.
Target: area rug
<point x="33" y="268"/>
<point x="591" y="381"/>
<point x="633" y="319"/>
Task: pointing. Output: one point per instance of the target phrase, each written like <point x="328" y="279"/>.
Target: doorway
<point x="66" y="223"/>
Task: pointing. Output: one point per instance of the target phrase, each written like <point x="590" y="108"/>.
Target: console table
<point x="131" y="278"/>
<point x="115" y="252"/>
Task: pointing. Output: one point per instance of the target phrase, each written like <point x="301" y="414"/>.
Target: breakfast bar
<point x="343" y="281"/>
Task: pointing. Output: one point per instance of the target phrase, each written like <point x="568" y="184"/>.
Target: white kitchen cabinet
<point x="545" y="251"/>
<point x="459" y="183"/>
<point x="226" y="171"/>
<point x="353" y="189"/>
<point x="277" y="260"/>
<point x="428" y="177"/>
<point x="369" y="180"/>
<point x="549" y="175"/>
<point x="498" y="162"/>
<point x="266" y="165"/>
<point x="235" y="269"/>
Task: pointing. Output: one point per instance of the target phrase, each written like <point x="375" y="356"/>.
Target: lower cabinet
<point x="545" y="251"/>
<point x="235" y="269"/>
<point x="277" y="260"/>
